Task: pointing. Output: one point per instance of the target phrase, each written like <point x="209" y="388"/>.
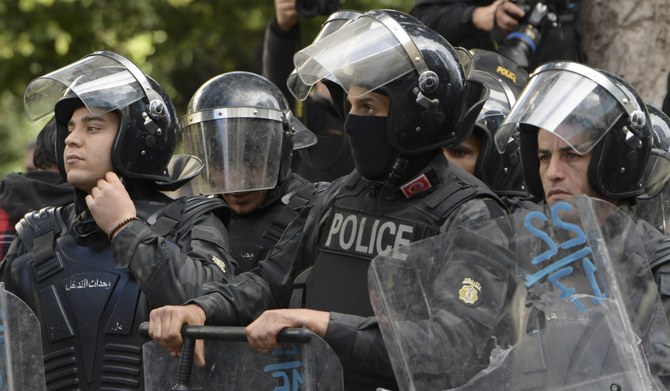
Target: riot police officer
<point x="240" y="125"/>
<point x="408" y="97"/>
<point x="478" y="155"/>
<point x="92" y="270"/>
<point x="584" y="131"/>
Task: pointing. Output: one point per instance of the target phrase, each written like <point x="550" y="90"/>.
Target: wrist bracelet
<point x="121" y="224"/>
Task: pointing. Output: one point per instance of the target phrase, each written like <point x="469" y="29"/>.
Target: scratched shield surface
<point x="238" y="366"/>
<point x="21" y="359"/>
<point x="579" y="311"/>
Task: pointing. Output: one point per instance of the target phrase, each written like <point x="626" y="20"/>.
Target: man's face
<point x="465" y="155"/>
<point x="245" y="202"/>
<point x="563" y="172"/>
<point x="88" y="147"/>
<point x="370" y="104"/>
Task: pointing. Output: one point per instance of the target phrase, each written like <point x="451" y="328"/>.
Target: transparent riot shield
<point x="581" y="310"/>
<point x="21" y="359"/>
<point x="304" y="362"/>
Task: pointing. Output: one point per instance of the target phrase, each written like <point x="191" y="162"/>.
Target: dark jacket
<point x="23" y="192"/>
<point x="254" y="234"/>
<point x="453" y="20"/>
<point x="455" y="200"/>
<point x="91" y="294"/>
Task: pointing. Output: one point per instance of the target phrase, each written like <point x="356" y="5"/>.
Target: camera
<point x="311" y="8"/>
<point x="520" y="44"/>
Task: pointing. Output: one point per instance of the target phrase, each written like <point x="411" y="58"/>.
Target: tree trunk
<point x="630" y="39"/>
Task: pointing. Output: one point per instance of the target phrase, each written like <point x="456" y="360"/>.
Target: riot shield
<point x="307" y="363"/>
<point x="21" y="359"/>
<point x="581" y="311"/>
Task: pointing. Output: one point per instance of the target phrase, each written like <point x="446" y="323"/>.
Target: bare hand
<point x="110" y="203"/>
<point x="484" y="18"/>
<point x="287" y="16"/>
<point x="508" y="15"/>
<point x="262" y="333"/>
<point x="165" y="325"/>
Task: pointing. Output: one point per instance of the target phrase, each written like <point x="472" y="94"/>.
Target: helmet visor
<point x="294" y="83"/>
<point x="364" y="52"/>
<point x="497" y="104"/>
<point x="302" y="137"/>
<point x="657" y="173"/>
<point x="100" y="82"/>
<point x="239" y="153"/>
<point x="568" y="104"/>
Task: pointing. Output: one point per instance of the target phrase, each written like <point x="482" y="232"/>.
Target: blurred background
<point x="183" y="43"/>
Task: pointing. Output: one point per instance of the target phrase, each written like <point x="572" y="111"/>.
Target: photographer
<point x="486" y="24"/>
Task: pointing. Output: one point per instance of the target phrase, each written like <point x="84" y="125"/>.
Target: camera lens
<point x="307" y="8"/>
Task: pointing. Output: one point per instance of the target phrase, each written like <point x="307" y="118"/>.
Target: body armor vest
<point x="253" y="235"/>
<point x="89" y="311"/>
<point x="360" y="226"/>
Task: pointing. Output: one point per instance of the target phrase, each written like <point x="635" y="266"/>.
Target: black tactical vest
<point x="89" y="311"/>
<point x="253" y="235"/>
<point x="360" y="226"/>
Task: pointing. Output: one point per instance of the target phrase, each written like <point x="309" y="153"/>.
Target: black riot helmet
<point x="654" y="205"/>
<point x="240" y="125"/>
<point x="501" y="171"/>
<point x="107" y="82"/>
<point x="590" y="110"/>
<point x="658" y="168"/>
<point x="431" y="102"/>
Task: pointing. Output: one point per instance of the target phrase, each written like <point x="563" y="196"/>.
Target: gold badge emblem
<point x="219" y="262"/>
<point x="469" y="292"/>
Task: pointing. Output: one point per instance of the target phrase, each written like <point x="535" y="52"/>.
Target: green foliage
<point x="180" y="43"/>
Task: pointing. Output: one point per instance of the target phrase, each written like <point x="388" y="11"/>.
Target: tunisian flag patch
<point x="416" y="186"/>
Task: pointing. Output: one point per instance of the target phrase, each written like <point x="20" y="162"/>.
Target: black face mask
<point x="370" y="149"/>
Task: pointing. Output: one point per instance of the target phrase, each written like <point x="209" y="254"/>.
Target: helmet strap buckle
<point x="150" y="125"/>
<point x="425" y="101"/>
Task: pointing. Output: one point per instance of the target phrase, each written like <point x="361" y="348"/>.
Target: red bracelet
<point x="121" y="224"/>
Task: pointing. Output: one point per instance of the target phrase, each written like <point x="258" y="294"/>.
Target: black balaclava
<point x="370" y="148"/>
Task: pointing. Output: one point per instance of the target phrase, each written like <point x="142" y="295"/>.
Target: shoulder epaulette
<point x="180" y="214"/>
<point x="38" y="231"/>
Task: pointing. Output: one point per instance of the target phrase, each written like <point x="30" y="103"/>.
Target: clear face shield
<point x="334" y="22"/>
<point x="497" y="105"/>
<point x="103" y="81"/>
<point x="368" y="52"/>
<point x="240" y="147"/>
<point x="658" y="168"/>
<point x="654" y="205"/>
<point x="574" y="102"/>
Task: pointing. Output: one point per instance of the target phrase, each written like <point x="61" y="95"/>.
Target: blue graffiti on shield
<point x="559" y="268"/>
<point x="289" y="372"/>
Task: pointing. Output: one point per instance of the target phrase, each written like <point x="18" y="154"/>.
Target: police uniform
<point x="657" y="247"/>
<point x="347" y="226"/>
<point x="401" y="191"/>
<point x="254" y="234"/>
<point x="617" y="168"/>
<point x="91" y="294"/>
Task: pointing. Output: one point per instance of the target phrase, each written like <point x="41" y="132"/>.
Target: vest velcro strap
<point x="164" y="225"/>
<point x="43" y="247"/>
